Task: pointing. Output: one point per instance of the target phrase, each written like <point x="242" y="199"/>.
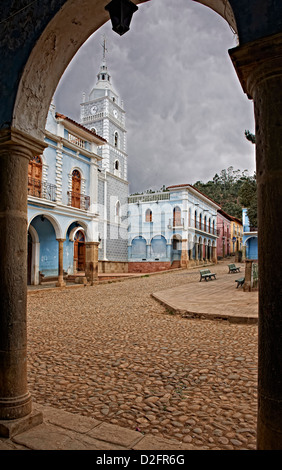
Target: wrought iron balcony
<point x="79" y="201"/>
<point x="176" y="223"/>
<point x="200" y="225"/>
<point x="38" y="188"/>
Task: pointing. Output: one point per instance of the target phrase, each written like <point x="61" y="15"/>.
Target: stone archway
<point x="28" y="86"/>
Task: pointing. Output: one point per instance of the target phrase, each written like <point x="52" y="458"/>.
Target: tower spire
<point x="103" y="74"/>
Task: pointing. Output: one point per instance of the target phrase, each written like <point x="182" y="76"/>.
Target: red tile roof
<point x="62" y="116"/>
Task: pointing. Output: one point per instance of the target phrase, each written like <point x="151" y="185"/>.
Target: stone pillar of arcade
<point x="259" y="68"/>
<point x="91" y="262"/>
<point x="16" y="149"/>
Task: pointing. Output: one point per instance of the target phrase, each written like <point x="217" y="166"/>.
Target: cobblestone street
<point x="113" y="353"/>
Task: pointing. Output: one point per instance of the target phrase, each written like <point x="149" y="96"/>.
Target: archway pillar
<point x="61" y="282"/>
<point x="16" y="149"/>
<point x="196" y="252"/>
<point x="259" y="68"/>
<point x="184" y="261"/>
<point x="91" y="261"/>
<point x="214" y="255"/>
<point x="201" y="251"/>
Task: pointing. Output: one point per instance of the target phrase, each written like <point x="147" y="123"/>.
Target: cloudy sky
<point x="186" y="112"/>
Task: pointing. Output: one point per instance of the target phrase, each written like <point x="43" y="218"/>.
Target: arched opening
<point x="158" y="246"/>
<point x="116" y="139"/>
<point x="138" y="248"/>
<point x="117" y="168"/>
<point x="79" y="251"/>
<point x="42" y="248"/>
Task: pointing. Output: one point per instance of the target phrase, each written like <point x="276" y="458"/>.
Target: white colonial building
<point x="173" y="228"/>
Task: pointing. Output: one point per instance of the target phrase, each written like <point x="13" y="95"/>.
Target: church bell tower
<point x="103" y="113"/>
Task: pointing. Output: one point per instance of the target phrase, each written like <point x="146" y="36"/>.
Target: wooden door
<point x="79" y="251"/>
<point x="35" y="177"/>
<point x="76" y="187"/>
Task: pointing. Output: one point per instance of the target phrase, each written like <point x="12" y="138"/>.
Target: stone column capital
<point x="257" y="61"/>
<point x="92" y="243"/>
<point x="23" y="143"/>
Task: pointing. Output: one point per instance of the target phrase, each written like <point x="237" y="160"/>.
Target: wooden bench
<point x="233" y="268"/>
<point x="206" y="274"/>
<point x="240" y="282"/>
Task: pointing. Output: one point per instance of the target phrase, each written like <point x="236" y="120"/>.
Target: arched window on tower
<point x="116" y="168"/>
<point x="35" y="177"/>
<point x="116" y="139"/>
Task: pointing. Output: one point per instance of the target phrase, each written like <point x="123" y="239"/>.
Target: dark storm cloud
<point x="185" y="110"/>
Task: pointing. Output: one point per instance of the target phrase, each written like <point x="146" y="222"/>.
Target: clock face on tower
<point x="115" y="113"/>
<point x="93" y="110"/>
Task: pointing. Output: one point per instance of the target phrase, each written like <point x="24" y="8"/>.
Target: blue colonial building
<point x="78" y="190"/>
<point x="173" y="228"/>
<point x="250" y="238"/>
<point x="63" y="200"/>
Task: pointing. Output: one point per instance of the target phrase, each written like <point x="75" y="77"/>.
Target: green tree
<point x="224" y="189"/>
<point x="251" y="137"/>
<point x="248" y="199"/>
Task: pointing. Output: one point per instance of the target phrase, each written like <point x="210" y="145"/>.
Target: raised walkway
<point x="214" y="299"/>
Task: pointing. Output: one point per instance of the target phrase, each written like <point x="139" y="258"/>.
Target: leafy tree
<point x="248" y="198"/>
<point x="251" y="137"/>
<point x="224" y="189"/>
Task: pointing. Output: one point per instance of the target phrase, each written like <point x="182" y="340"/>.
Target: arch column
<point x="196" y="252"/>
<point x="214" y="256"/>
<point x="184" y="262"/>
<point x="91" y="261"/>
<point x="259" y="68"/>
<point x="61" y="282"/>
<point x="16" y="149"/>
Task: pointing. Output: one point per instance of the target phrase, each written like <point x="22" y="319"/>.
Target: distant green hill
<point x="232" y="190"/>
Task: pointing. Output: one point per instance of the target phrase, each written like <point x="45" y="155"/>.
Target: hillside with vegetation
<point x="232" y="190"/>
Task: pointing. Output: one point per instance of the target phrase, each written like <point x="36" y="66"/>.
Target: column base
<point x="60" y="283"/>
<point x="13" y="427"/>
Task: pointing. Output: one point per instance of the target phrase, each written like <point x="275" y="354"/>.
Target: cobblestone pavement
<point x="114" y="353"/>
